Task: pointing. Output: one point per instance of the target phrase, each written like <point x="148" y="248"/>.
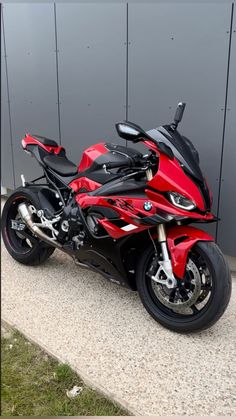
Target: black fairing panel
<point x="182" y="148"/>
<point x="187" y="155"/>
<point x="114" y="259"/>
<point x="120" y="187"/>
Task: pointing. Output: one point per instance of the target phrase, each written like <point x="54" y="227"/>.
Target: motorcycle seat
<point x="60" y="165"/>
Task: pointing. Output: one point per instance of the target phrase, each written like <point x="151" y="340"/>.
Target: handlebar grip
<point x="116" y="165"/>
<point x="179" y="112"/>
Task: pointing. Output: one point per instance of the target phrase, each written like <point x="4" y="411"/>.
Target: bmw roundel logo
<point x="147" y="206"/>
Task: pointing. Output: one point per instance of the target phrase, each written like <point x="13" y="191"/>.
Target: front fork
<point x="165" y="264"/>
<point x="179" y="240"/>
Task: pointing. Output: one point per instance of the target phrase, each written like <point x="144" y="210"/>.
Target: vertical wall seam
<point x="127" y="61"/>
<point x="57" y="75"/>
<point x="127" y="67"/>
<point x="225" y="117"/>
<point x="8" y="99"/>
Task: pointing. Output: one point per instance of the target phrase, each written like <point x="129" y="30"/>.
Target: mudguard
<point x="180" y="239"/>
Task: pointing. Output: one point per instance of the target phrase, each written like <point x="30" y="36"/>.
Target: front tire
<point x="213" y="298"/>
<point x="30" y="250"/>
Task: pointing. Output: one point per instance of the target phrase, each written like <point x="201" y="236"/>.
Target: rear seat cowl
<point x="45" y="141"/>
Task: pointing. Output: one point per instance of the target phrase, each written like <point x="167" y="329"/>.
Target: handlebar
<point x="116" y="165"/>
<point x="142" y="163"/>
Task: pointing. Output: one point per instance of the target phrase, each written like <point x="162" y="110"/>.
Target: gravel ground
<point x="103" y="331"/>
<point x="105" y="334"/>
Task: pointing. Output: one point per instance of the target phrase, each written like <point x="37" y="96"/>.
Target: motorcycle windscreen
<point x="181" y="149"/>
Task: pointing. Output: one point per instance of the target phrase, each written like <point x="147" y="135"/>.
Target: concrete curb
<point x="90" y="383"/>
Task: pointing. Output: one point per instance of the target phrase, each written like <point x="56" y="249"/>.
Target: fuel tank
<point x="91" y="171"/>
<point x="94" y="157"/>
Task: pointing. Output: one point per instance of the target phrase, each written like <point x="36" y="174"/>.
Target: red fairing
<point x="29" y="140"/>
<point x="162" y="203"/>
<point x="171" y="177"/>
<point x="179" y="252"/>
<point x="128" y="209"/>
<point x="117" y="232"/>
<point x="84" y="183"/>
<point x="91" y="154"/>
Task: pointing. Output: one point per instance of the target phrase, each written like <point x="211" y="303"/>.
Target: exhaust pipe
<point x="26" y="217"/>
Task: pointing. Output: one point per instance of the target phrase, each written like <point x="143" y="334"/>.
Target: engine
<point x="93" y="224"/>
<point x="71" y="228"/>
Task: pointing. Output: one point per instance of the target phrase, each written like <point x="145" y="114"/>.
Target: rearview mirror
<point x="178" y="115"/>
<point x="130" y="131"/>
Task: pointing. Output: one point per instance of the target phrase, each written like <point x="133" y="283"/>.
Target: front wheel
<point x="198" y="301"/>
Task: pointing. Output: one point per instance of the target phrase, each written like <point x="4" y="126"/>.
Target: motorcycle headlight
<point x="181" y="201"/>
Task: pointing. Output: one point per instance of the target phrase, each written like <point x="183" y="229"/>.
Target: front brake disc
<point x="172" y="298"/>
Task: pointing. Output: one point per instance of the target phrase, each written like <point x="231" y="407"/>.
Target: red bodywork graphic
<point x="128" y="208"/>
<point x="84" y="183"/>
<point x="121" y="203"/>
<point x="163" y="204"/>
<point x="91" y="154"/>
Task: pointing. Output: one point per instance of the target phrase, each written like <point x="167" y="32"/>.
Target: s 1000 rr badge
<point x="147" y="206"/>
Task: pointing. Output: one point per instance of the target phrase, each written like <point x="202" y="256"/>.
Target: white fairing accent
<point x="129" y="227"/>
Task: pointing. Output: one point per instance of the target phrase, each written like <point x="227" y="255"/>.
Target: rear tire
<point x="216" y="304"/>
<point x="25" y="252"/>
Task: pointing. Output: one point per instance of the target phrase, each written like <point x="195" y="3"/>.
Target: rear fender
<point x="180" y="240"/>
<point x="45" y="197"/>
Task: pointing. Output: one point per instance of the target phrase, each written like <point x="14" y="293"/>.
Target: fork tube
<point x="161" y="231"/>
<point x="162" y="240"/>
<point x="149" y="174"/>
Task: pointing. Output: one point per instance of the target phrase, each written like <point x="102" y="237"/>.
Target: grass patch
<point x="35" y="384"/>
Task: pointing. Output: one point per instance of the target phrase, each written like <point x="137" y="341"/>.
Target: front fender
<point x="180" y="239"/>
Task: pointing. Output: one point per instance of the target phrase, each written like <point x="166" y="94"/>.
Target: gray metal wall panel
<point x="6" y="155"/>
<point x="227" y="225"/>
<point x="176" y="52"/>
<point x="30" y="40"/>
<point x="92" y="72"/>
<point x="179" y="52"/>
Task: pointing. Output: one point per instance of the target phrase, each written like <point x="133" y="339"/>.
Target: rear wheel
<point x="22" y="245"/>
<point x="198" y="301"/>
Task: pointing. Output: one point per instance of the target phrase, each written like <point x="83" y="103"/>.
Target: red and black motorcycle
<point x="126" y="215"/>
